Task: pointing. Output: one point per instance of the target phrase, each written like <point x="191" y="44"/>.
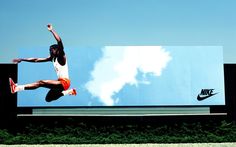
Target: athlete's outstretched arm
<point x="56" y="36"/>
<point x="18" y="60"/>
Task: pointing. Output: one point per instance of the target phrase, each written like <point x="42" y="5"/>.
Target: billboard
<point x="129" y="76"/>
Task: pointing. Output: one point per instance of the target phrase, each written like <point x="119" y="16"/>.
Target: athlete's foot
<point x="73" y="91"/>
<point x="12" y="86"/>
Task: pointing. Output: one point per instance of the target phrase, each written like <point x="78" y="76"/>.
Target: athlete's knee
<point x="53" y="95"/>
<point x="52" y="98"/>
<point x="48" y="99"/>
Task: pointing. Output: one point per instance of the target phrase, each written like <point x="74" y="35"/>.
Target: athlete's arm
<point x="18" y="60"/>
<point x="57" y="37"/>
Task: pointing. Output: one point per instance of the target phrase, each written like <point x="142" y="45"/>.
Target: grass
<point x="84" y="133"/>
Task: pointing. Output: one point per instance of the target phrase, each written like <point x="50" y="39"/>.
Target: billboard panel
<point x="130" y="76"/>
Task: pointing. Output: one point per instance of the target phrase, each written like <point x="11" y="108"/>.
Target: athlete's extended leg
<point x="52" y="84"/>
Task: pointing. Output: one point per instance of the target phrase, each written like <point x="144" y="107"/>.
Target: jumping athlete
<point x="58" y="87"/>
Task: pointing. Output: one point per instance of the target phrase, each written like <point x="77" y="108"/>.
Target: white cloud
<point x="120" y="65"/>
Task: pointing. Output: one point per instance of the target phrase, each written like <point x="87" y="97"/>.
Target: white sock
<point x="66" y="92"/>
<point x="20" y="87"/>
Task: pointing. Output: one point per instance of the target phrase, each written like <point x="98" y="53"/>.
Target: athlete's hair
<point x="54" y="46"/>
<point x="55" y="50"/>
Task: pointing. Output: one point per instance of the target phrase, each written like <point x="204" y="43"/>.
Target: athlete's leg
<point x="55" y="87"/>
<point x="52" y="84"/>
<point x="53" y="94"/>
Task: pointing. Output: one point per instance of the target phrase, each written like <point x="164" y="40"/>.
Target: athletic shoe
<point x="12" y="86"/>
<point x="73" y="92"/>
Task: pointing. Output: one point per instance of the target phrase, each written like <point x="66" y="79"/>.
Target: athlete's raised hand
<point x="56" y="36"/>
<point x="49" y="27"/>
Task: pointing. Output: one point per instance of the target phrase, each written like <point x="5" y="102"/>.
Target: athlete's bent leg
<point x="53" y="94"/>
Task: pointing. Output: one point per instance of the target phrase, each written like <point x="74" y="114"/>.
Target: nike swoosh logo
<point x="200" y="98"/>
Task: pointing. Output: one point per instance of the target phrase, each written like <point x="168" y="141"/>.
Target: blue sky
<point x="118" y="22"/>
<point x="130" y="76"/>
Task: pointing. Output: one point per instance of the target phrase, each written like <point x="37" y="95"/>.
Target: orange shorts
<point x="65" y="83"/>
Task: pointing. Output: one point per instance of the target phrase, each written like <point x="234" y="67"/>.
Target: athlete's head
<point x="54" y="50"/>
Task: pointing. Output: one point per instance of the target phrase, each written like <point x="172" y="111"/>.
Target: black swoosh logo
<point x="200" y="98"/>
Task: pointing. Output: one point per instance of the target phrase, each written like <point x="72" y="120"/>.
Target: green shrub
<point x="85" y="133"/>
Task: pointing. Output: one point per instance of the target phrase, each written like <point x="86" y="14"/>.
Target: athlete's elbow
<point x="37" y="60"/>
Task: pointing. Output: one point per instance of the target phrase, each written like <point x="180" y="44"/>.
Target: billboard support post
<point x="230" y="90"/>
<point x="8" y="101"/>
